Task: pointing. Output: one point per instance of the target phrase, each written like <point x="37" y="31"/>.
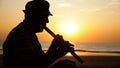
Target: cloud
<point x="63" y="4"/>
<point x="60" y="3"/>
<point x="102" y="5"/>
<point x="114" y="3"/>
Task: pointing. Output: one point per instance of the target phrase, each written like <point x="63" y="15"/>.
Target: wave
<point x="98" y="51"/>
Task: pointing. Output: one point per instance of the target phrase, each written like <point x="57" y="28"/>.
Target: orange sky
<point x="98" y="20"/>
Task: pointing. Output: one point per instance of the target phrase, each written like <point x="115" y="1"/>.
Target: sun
<point x="69" y="27"/>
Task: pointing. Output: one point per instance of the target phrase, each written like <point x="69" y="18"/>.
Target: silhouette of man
<point x="21" y="49"/>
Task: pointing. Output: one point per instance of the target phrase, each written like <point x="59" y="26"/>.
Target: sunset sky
<point x="77" y="20"/>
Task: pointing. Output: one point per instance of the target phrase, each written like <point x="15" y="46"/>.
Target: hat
<point x="40" y="7"/>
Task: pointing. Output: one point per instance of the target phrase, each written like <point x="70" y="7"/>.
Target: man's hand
<point x="59" y="47"/>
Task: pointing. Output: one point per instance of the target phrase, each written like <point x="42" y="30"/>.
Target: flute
<point x="72" y="52"/>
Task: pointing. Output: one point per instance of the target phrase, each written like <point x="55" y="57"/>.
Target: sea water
<point x="86" y="46"/>
<point x="98" y="46"/>
<point x="91" y="46"/>
<point x="98" y="49"/>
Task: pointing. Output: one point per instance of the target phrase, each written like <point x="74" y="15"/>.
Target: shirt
<point x="22" y="49"/>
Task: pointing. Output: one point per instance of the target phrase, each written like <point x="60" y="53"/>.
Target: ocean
<point x="91" y="46"/>
<point x="88" y="47"/>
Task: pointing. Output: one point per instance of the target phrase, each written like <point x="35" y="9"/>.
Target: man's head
<point x="37" y="12"/>
<point x="40" y="7"/>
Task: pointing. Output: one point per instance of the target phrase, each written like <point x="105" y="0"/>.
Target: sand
<point x="96" y="60"/>
<point x="92" y="61"/>
<point x="1" y="61"/>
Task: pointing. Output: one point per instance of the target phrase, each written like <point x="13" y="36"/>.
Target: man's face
<point x="40" y="22"/>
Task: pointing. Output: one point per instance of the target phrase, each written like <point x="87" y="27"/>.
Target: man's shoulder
<point x="20" y="31"/>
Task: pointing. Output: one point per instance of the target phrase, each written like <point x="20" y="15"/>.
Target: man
<point x="21" y="49"/>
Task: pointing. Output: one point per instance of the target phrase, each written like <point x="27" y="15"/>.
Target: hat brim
<point x="38" y="12"/>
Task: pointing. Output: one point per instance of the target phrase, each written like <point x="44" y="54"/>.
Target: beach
<point x="94" y="61"/>
<point x="1" y="61"/>
<point x="98" y="61"/>
<point x="91" y="60"/>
